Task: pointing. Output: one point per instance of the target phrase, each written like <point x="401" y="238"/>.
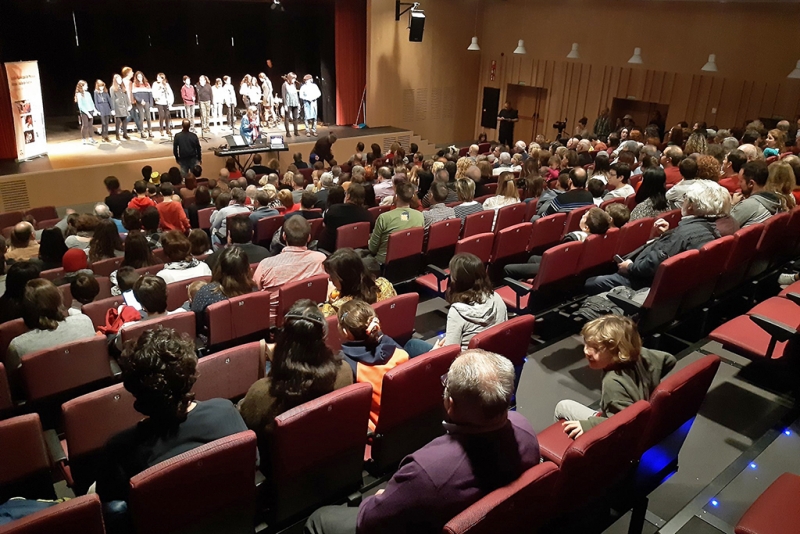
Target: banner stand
<point x="25" y="89"/>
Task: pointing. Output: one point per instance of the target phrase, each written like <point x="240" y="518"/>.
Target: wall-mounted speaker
<point x="416" y="26"/>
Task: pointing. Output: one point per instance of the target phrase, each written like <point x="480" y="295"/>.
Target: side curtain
<point x="351" y="58"/>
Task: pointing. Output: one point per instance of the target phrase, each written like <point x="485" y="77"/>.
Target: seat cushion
<point x="431" y="283"/>
<point x="779" y="309"/>
<point x="742" y="336"/>
<point x="775" y="511"/>
<point x="794" y="288"/>
<point x="553" y="443"/>
<point x="510" y="298"/>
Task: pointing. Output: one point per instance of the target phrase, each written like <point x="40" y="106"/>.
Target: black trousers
<point x="294" y="111"/>
<point x="86" y="126"/>
<point x="122" y="127"/>
<point x="164" y="119"/>
<point x="523" y="271"/>
<point x="231" y="116"/>
<point x="332" y="520"/>
<point x="104" y="128"/>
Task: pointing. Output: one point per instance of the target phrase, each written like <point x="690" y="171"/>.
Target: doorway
<point x="530" y="102"/>
<point x="642" y="112"/>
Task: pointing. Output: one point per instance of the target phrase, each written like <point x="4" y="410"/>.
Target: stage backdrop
<point x="25" y="90"/>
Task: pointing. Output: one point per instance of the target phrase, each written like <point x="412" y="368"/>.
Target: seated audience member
<point x="576" y="196"/>
<point x="701" y="208"/>
<point x="619" y="213"/>
<point x="49" y="324"/>
<point x="106" y="242"/>
<point x="308" y="202"/>
<point x="507" y="194"/>
<point x="103" y="213"/>
<point x="326" y="182"/>
<point x="703" y="170"/>
<point x="630" y="372"/>
<point x="602" y="166"/>
<point x="776" y="143"/>
<point x="298" y="183"/>
<point x="141" y="200"/>
<point x="754" y="204"/>
<point x="257" y="167"/>
<point x="302" y="369"/>
<point x="555" y="184"/>
<point x="350" y="280"/>
<point x="731" y="168"/>
<point x="294" y="263"/>
<point x="126" y="279"/>
<point x="3" y="267"/>
<point x="505" y="165"/>
<point x="132" y="220"/>
<point x="17" y="276"/>
<point x="170" y="211"/>
<point x="402" y="217"/>
<point x="73" y="263"/>
<point x="618" y="184"/>
<point x="384" y="185"/>
<point x="240" y="235"/>
<point x="151" y="293"/>
<point x="287" y="201"/>
<point x="598" y="190"/>
<point x="594" y="221"/>
<point x="465" y="189"/>
<point x="350" y="212"/>
<point x="651" y="197"/>
<point x="201" y="244"/>
<point x="367" y="350"/>
<point x="781" y="181"/>
<point x="486" y="447"/>
<point x="670" y="160"/>
<point x="442" y="176"/>
<point x="188" y="192"/>
<point x="181" y="264"/>
<point x="23" y="243"/>
<point x="202" y="200"/>
<point x="85" y="226"/>
<point x="230" y="278"/>
<point x="117" y="199"/>
<point x="138" y="254"/>
<point x="51" y="249"/>
<point x="263" y="205"/>
<point x="438" y="210"/>
<point x="159" y="370"/>
<point x="219" y="218"/>
<point x="84" y="289"/>
<point x="151" y="221"/>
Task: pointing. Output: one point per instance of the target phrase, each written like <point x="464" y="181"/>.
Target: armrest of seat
<point x="794" y="297"/>
<point x="440" y="274"/>
<point x="778" y="331"/>
<point x="630" y="307"/>
<point x="517" y="287"/>
<point x="57" y="453"/>
<point x="553" y="443"/>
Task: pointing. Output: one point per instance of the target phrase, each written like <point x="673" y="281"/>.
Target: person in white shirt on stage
<point x="87" y="111"/>
<point x="163" y="98"/>
<point x="217" y="99"/>
<point x="291" y="102"/>
<point x="229" y="100"/>
<point x="244" y="90"/>
<point x="309" y="94"/>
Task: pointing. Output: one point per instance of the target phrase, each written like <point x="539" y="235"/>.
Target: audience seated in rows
<point x="181" y="264"/>
<point x="402" y="217"/>
<point x="349" y="280"/>
<point x="240" y="235"/>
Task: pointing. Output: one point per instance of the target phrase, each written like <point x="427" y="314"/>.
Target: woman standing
<point x="164" y="98"/>
<point x="230" y="101"/>
<point x="87" y="111"/>
<point x="309" y="93"/>
<point x="217" y="99"/>
<point x="189" y="96"/>
<point x="204" y="96"/>
<point x="291" y="102"/>
<point x="121" y="106"/>
<point x="244" y="90"/>
<point x="143" y="98"/>
<point x="266" y="98"/>
<point x="102" y="102"/>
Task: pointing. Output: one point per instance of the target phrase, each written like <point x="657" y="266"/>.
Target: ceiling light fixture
<point x="636" y="58"/>
<point x="795" y="74"/>
<point x="474" y="44"/>
<point x="711" y="64"/>
<point x="520" y="49"/>
<point x="574" y="54"/>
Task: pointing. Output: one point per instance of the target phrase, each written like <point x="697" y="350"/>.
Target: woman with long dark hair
<point x="651" y="197"/>
<point x="138" y="253"/>
<point x="231" y="277"/>
<point x="51" y="248"/>
<point x="87" y="111"/>
<point x="143" y="99"/>
<point x="106" y="242"/>
<point x="351" y="280"/>
<point x="121" y="105"/>
<point x="102" y="102"/>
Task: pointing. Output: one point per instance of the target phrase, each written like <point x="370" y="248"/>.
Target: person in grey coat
<point x="121" y="104"/>
<point x="291" y="102"/>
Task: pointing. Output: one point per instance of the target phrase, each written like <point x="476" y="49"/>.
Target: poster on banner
<point x="25" y="88"/>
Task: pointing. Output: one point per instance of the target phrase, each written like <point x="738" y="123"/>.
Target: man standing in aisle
<point x="602" y="126"/>
<point x="507" y="117"/>
<point x="186" y="148"/>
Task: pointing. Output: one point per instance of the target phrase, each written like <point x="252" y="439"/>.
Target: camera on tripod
<point x="560" y="126"/>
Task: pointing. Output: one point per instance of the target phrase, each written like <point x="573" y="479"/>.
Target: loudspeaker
<point x="416" y="27"/>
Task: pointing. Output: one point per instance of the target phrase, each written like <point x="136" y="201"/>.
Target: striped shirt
<point x="467" y="208"/>
<point x="291" y="265"/>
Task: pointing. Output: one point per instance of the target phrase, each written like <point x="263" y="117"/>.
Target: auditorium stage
<point x="72" y="173"/>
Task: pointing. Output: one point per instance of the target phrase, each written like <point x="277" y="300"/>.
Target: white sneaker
<point x="787" y="279"/>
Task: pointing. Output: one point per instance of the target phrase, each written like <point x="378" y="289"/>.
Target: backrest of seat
<point x="713" y="256"/>
<point x="218" y="320"/>
<point x="510" y="215"/>
<point x="89" y="422"/>
<point x="204" y="218"/>
<point x="603" y="455"/>
<point x="673" y="217"/>
<point x="397" y="316"/>
<point x="509" y="339"/>
<point x="25" y="464"/>
<point x="558" y="263"/>
<point x="314" y="288"/>
<point x="105" y="287"/>
<point x="250" y="313"/>
<point x="8" y="331"/>
<point x="107" y="266"/>
<point x="530" y="209"/>
<point x="634" y="234"/>
<point x="478" y="223"/>
<point x="376" y="211"/>
<point x="182" y="323"/>
<point x="178" y="292"/>
<point x="96" y="311"/>
<point x="52" y="274"/>
<point x="149" y="270"/>
<point x="741" y="256"/>
<point x="42" y="213"/>
<point x="221" y="476"/>
<point x="404" y="243"/>
<point x="411" y="406"/>
<point x="607" y="203"/>
<point x="677" y="399"/>
<point x="630" y="202"/>
<point x="81" y="515"/>
<point x="66" y="295"/>
<point x="266" y="227"/>
<point x="511" y="241"/>
<point x="574" y="219"/>
<point x="309" y="472"/>
<point x="65" y="367"/>
<point x="228" y="374"/>
<point x="672" y="280"/>
<point x="443" y="234"/>
<point x="478" y="244"/>
<point x="792" y="233"/>
<point x="522" y="506"/>
<point x="10" y="218"/>
<point x="354" y="235"/>
<point x="599" y="250"/>
<point x="771" y="240"/>
<point x="316" y="228"/>
<point x="546" y="232"/>
<point x="5" y="391"/>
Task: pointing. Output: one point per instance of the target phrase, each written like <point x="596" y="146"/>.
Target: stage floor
<point x="66" y="151"/>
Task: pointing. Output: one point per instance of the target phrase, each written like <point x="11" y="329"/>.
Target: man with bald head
<point x="750" y="151"/>
<point x="576" y="196"/>
<point x="670" y="160"/>
<point x="23" y="243"/>
<point x="582" y="148"/>
<point x="186" y="148"/>
<point x="473" y="152"/>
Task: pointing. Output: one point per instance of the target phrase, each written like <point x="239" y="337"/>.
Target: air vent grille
<point x="14" y="195"/>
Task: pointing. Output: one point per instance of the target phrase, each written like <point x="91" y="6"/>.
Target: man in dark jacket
<point x="240" y="235"/>
<point x="186" y="148"/>
<point x="703" y="205"/>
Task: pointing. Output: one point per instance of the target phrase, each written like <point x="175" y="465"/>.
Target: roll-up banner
<point x="25" y="88"/>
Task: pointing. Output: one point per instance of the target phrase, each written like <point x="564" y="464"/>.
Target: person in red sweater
<point x="141" y="201"/>
<point x="171" y="211"/>
<point x="734" y="162"/>
<point x="670" y="160"/>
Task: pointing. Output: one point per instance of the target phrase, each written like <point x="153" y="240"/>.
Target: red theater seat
<point x="106" y="267"/>
<point x="403" y="254"/>
<point x="96" y="311"/>
<point x="546" y="232"/>
<point x="510" y="215"/>
<point x="511" y="242"/>
<point x="509" y="339"/>
<point x="314" y="288"/>
<point x="479" y="244"/>
<point x="713" y="256"/>
<point x="770" y="243"/>
<point x="228" y="374"/>
<point x="598" y="253"/>
<point x="411" y="408"/>
<point x="182" y="323"/>
<point x="178" y="292"/>
<point x="443" y="234"/>
<point x="25" y="463"/>
<point x="81" y="515"/>
<point x="735" y="269"/>
<point x="634" y="234"/>
<point x="522" y="506"/>
<point x="43" y="213"/>
<point x="574" y="219"/>
<point x="332" y="339"/>
<point x="8" y="331"/>
<point x="265" y="228"/>
<point x="221" y="475"/>
<point x="204" y="218"/>
<point x="353" y="236"/>
<point x="775" y="511"/>
<point x="150" y="270"/>
<point x="52" y="274"/>
<point x="5" y="391"/>
<point x="478" y="223"/>
<point x="397" y="316"/>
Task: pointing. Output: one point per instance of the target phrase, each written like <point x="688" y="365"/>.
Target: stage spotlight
<point x="276" y="5"/>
